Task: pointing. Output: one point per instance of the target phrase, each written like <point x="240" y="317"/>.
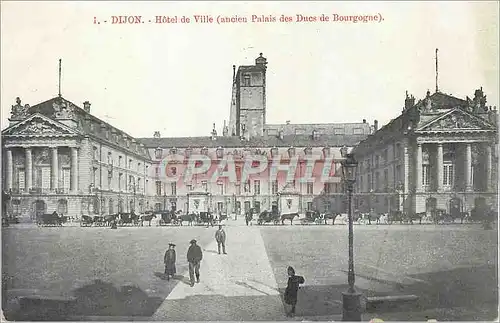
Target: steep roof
<point x="83" y="118"/>
<point x="265" y="141"/>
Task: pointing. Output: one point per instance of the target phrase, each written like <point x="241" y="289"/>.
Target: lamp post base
<point x="351" y="306"/>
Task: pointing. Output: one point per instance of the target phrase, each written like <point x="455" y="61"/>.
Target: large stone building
<point x="59" y="157"/>
<point x="440" y="153"/>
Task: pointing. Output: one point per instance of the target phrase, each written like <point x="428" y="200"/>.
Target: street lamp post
<point x="351" y="299"/>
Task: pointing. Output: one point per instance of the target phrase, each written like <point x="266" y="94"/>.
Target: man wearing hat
<point x="194" y="256"/>
<point x="169" y="260"/>
<point x="220" y="237"/>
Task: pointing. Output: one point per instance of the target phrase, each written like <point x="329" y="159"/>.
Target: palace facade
<point x="440" y="153"/>
<point x="59" y="157"/>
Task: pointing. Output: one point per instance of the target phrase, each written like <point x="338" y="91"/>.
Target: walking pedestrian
<point x="169" y="261"/>
<point x="194" y="257"/>
<point x="292" y="290"/>
<point x="220" y="237"/>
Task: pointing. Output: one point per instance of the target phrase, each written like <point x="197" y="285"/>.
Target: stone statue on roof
<point x="19" y="111"/>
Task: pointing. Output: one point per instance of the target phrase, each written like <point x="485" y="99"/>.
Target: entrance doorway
<point x="39" y="208"/>
<point x="455" y="207"/>
<point x="430" y="205"/>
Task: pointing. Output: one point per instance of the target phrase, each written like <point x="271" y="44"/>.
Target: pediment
<point x="39" y="125"/>
<point x="457" y="120"/>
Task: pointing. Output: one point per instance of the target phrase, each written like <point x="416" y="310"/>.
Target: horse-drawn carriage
<point x="168" y="218"/>
<point x="51" y="219"/>
<point x="313" y="216"/>
<point x="268" y="217"/>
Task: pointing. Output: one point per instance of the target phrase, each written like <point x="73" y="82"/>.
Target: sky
<point x="177" y="78"/>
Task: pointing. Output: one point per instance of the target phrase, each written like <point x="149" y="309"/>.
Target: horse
<point x="394" y="216"/>
<point x="190" y="218"/>
<point x="147" y="218"/>
<point x="415" y="216"/>
<point x="129" y="218"/>
<point x="330" y="216"/>
<point x="288" y="216"/>
<point x="372" y="216"/>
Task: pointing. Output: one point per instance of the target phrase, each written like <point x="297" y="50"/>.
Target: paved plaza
<point x="117" y="274"/>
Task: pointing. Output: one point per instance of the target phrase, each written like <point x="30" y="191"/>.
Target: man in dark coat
<point x="292" y="290"/>
<point x="194" y="257"/>
<point x="169" y="261"/>
<point x="220" y="237"/>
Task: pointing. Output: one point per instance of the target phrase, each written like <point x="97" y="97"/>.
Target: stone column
<point x="54" y="170"/>
<point x="439" y="167"/>
<point x="468" y="167"/>
<point x="418" y="165"/>
<point x="28" y="177"/>
<point x="488" y="168"/>
<point x="10" y="167"/>
<point x="406" y="171"/>
<point x="74" y="169"/>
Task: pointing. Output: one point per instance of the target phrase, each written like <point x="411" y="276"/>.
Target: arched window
<point x="62" y="206"/>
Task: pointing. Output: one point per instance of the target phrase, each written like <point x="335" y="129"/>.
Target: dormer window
<point x="204" y="151"/>
<point x="173" y="151"/>
<point x="246" y="80"/>
<point x="291" y="152"/>
<point x="220" y="152"/>
<point x="158" y="152"/>
<point x="188" y="152"/>
<point x="326" y="152"/>
<point x="308" y="151"/>
<point x="315" y="135"/>
<point x="274" y="152"/>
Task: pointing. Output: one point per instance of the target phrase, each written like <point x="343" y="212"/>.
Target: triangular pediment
<point x="457" y="120"/>
<point x="39" y="125"/>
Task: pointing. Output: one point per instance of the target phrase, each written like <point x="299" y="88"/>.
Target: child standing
<point x="292" y="290"/>
<point x="169" y="260"/>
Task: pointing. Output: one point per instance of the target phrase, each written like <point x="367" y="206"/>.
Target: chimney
<point x="86" y="106"/>
<point x="364" y="120"/>
<point x="375" y="125"/>
<point x="156" y="134"/>
<point x="288" y="122"/>
<point x="409" y="101"/>
<point x="234" y="73"/>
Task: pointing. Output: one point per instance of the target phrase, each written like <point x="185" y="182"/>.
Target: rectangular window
<point x="158" y="188"/>
<point x="425" y="175"/>
<point x="327" y="188"/>
<point x="274" y="187"/>
<point x="310" y="188"/>
<point x="256" y="186"/>
<point x="120" y="161"/>
<point x="386" y="178"/>
<point x="309" y="206"/>
<point x="204" y="186"/>
<point x="238" y="189"/>
<point x="221" y="188"/>
<point x="448" y="175"/>
<point x="247" y="186"/>
<point x="246" y="80"/>
<point x="173" y="187"/>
